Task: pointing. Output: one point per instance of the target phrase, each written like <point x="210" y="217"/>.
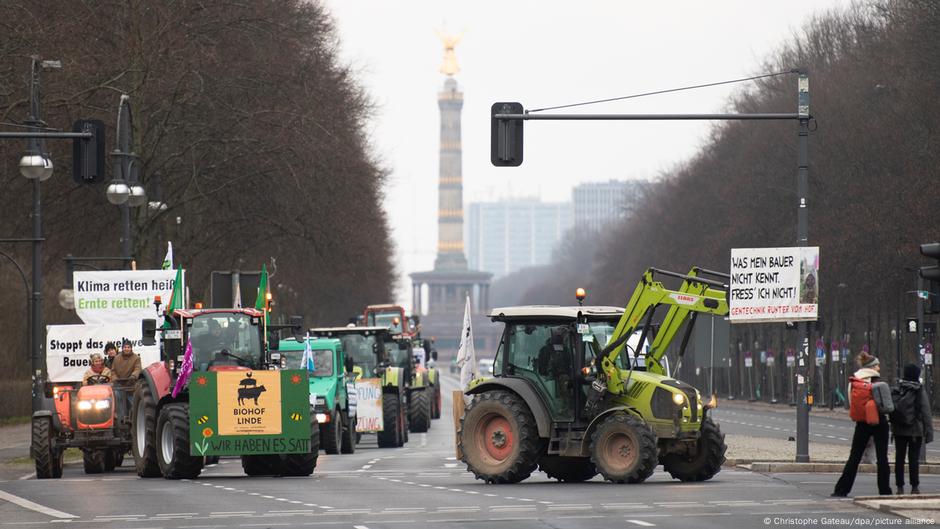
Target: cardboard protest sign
<point x="369" y="416"/>
<point x="68" y="347"/>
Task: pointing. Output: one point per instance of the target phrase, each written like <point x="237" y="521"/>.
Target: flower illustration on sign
<point x="202" y="381"/>
<point x="203" y="446"/>
<point x="295" y="379"/>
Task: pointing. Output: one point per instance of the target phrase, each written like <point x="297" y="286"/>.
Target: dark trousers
<point x="911" y="445"/>
<point x="862" y="433"/>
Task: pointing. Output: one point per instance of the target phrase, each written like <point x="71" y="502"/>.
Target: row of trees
<point x="246" y="125"/>
<point x="874" y="77"/>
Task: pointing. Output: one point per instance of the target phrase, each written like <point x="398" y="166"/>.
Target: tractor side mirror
<point x="434" y="355"/>
<point x="148" y="330"/>
<point x="274" y="340"/>
<point x="297" y="326"/>
<point x="349" y="364"/>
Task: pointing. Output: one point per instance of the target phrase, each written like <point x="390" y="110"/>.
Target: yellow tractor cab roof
<point x="537" y="312"/>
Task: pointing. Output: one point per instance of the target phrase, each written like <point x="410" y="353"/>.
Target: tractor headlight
<point x="84" y="405"/>
<point x="678" y="398"/>
<point x="321" y="418"/>
<point x="102" y="404"/>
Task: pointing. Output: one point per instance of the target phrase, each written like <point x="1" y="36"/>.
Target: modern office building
<point x="597" y="203"/>
<point x="509" y="235"/>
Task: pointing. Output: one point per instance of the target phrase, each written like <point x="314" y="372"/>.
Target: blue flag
<point x="306" y="362"/>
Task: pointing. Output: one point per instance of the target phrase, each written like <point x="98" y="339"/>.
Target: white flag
<point x="168" y="260"/>
<point x="466" y="357"/>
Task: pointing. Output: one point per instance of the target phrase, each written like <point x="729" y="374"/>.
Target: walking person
<point x="911" y="425"/>
<point x="869" y="405"/>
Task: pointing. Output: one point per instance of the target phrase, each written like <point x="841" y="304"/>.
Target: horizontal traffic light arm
<point x="47" y="135"/>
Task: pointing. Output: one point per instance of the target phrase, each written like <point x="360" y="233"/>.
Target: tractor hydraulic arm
<point x="696" y="295"/>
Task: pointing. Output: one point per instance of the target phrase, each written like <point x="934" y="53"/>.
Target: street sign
<point x="748" y="359"/>
<point x="770" y="360"/>
<point x="791" y="358"/>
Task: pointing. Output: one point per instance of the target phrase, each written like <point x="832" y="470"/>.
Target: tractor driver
<point x="98" y="373"/>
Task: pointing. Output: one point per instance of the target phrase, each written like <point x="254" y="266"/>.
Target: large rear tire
<point x="498" y="438"/>
<point x="420" y="412"/>
<point x="437" y="401"/>
<point x="304" y="464"/>
<point x="144" y="431"/>
<point x="706" y="462"/>
<point x="331" y="433"/>
<point x="568" y="469"/>
<point x="623" y="448"/>
<point x="391" y="434"/>
<point x="349" y="434"/>
<point x="263" y="465"/>
<point x="47" y="458"/>
<point x="173" y="444"/>
<point x="95" y="461"/>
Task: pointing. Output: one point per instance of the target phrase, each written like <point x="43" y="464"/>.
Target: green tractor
<point x="375" y="353"/>
<point x="565" y="398"/>
<point x="332" y="389"/>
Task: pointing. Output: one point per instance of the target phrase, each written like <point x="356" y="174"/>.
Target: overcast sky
<point x="546" y="53"/>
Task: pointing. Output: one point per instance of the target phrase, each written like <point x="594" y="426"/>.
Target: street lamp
<point x="118" y="192"/>
<point x="36" y="166"/>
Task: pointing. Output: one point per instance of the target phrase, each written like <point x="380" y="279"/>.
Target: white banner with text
<point x="774" y="284"/>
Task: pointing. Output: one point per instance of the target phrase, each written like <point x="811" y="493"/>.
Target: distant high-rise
<point x="598" y="203"/>
<point x="509" y="235"/>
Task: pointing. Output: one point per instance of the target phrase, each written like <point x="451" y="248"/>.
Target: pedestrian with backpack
<point x="911" y="425"/>
<point x="869" y="406"/>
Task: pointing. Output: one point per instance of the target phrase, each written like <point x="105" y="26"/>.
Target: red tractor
<point x="92" y="417"/>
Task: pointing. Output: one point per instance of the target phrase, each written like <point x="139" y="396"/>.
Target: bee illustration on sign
<point x="202" y="420"/>
<point x="249" y="390"/>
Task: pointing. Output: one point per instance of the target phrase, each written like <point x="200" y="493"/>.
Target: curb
<point x="775" y="467"/>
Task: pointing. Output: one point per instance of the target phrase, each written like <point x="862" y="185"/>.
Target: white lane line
<point x="360" y="527"/>
<point x="23" y="502"/>
<point x="641" y="523"/>
<point x="27" y="476"/>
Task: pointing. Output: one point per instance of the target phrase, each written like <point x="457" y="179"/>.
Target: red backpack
<point x="862" y="407"/>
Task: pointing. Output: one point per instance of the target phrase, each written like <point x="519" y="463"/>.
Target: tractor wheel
<point x="568" y="469"/>
<point x="420" y="411"/>
<point x="263" y="465"/>
<point x="304" y="464"/>
<point x="331" y="434"/>
<point x="498" y="438"/>
<point x="42" y="449"/>
<point x="623" y="448"/>
<point x="706" y="462"/>
<point x="349" y="435"/>
<point x="95" y="461"/>
<point x="144" y="431"/>
<point x="391" y="434"/>
<point x="110" y="459"/>
<point x="173" y="444"/>
<point x="119" y="454"/>
<point x="436" y="402"/>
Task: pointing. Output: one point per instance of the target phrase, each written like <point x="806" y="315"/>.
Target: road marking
<point x="360" y="527"/>
<point x="27" y="476"/>
<point x="23" y="502"/>
<point x="641" y="523"/>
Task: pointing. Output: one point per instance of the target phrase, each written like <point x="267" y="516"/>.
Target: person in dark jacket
<point x="881" y="394"/>
<point x="908" y="438"/>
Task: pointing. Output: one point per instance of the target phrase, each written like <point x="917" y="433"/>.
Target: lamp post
<point x="125" y="190"/>
<point x="36" y="165"/>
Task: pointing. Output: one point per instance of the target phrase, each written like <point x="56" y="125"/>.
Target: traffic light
<point x="932" y="275"/>
<point x="506" y="135"/>
<point x="88" y="154"/>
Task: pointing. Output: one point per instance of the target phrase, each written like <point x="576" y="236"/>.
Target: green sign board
<point x="249" y="412"/>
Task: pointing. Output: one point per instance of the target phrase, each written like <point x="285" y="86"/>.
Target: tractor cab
<point x="367" y="347"/>
<point x="221" y="339"/>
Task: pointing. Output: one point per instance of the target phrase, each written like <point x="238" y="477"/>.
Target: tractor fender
<point x="157" y="377"/>
<point x="433" y="376"/>
<point x="586" y="441"/>
<point x="52" y="417"/>
<point x="521" y="387"/>
<point x="392" y="379"/>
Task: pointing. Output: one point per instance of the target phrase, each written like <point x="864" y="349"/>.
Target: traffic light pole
<point x="802" y="240"/>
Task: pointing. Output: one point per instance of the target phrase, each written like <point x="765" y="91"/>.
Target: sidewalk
<point x="818" y="411"/>
<point x="921" y="510"/>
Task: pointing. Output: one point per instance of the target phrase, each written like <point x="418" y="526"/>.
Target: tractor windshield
<point x="391" y="319"/>
<point x="322" y="363"/>
<point x="397" y="356"/>
<point x="603" y="330"/>
<point x="360" y="349"/>
<point x="225" y="339"/>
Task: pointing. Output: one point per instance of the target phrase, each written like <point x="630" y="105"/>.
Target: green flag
<point x="176" y="298"/>
<point x="261" y="301"/>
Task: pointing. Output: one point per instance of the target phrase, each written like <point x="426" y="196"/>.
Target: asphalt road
<point x="422" y="485"/>
<point x="781" y="424"/>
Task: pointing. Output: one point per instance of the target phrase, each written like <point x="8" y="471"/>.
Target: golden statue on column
<point x="449" y="66"/>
